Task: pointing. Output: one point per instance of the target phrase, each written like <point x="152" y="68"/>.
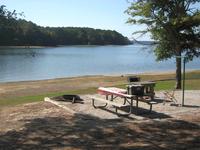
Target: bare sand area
<point x="43" y="125"/>
<point x="25" y="88"/>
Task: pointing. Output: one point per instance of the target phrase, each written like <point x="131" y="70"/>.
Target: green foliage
<point x="14" y="31"/>
<point x="175" y="24"/>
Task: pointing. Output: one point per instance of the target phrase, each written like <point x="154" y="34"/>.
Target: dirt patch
<point x="45" y="126"/>
<point x="162" y="109"/>
<point x="13" y="118"/>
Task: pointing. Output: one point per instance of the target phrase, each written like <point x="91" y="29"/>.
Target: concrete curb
<point x="47" y="99"/>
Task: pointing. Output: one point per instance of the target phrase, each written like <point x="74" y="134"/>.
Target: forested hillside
<point x="19" y="32"/>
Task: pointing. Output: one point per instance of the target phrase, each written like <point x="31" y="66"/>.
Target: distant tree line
<point x="19" y="32"/>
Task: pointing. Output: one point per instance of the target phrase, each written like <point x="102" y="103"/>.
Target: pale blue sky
<point x="102" y="14"/>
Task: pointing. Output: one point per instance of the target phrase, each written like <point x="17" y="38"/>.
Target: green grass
<point x="164" y="85"/>
<point x="193" y="75"/>
<point x="36" y="98"/>
<point x="192" y="83"/>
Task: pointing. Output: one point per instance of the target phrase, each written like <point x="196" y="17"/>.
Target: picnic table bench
<point x="116" y="105"/>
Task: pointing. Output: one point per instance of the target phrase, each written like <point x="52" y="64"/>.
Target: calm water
<point x="47" y="63"/>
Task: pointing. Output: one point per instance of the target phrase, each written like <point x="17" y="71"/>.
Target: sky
<point x="98" y="14"/>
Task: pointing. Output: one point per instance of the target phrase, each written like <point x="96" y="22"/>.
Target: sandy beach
<point x="24" y="88"/>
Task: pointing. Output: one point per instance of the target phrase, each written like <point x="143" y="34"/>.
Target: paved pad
<point x="160" y="110"/>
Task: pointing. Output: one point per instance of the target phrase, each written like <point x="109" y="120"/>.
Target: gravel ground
<point x="161" y="109"/>
<point x="46" y="126"/>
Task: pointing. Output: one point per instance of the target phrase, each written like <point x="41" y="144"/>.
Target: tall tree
<point x="8" y="25"/>
<point x="174" y="24"/>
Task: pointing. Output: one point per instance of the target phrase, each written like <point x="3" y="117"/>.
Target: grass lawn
<point x="36" y="98"/>
<point x="192" y="83"/>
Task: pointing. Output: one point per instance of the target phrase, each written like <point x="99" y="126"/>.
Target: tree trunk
<point x="178" y="71"/>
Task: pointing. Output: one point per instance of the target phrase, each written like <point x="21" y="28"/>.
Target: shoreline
<point x="148" y="73"/>
<point x="34" y="46"/>
<point x="31" y="91"/>
<point x="13" y="47"/>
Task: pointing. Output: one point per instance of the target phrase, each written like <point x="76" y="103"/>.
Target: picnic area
<point x="61" y="123"/>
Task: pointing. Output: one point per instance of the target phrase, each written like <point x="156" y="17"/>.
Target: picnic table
<point x="122" y="93"/>
<point x="111" y="91"/>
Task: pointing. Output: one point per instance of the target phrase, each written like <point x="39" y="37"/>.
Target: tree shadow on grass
<point x="88" y="132"/>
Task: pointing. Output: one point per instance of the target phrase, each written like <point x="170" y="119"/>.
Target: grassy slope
<point x="36" y="98"/>
<point x="164" y="82"/>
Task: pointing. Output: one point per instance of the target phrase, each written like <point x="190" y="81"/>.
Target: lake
<point x="23" y="64"/>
